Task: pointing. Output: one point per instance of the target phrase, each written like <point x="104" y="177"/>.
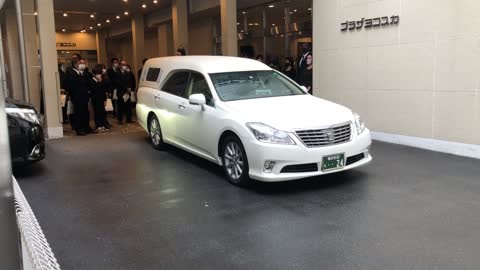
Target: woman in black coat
<point x="99" y="89"/>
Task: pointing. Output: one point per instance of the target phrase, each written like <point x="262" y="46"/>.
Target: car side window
<point x="152" y="74"/>
<point x="198" y="85"/>
<point x="177" y="84"/>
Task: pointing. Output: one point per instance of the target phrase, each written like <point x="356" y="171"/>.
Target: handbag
<point x="109" y="105"/>
<point x="63" y="100"/>
<point x="70" y="108"/>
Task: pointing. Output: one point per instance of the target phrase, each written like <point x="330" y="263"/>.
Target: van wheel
<point x="155" y="132"/>
<point x="235" y="162"/>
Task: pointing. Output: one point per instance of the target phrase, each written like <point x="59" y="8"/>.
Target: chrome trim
<point x="320" y="136"/>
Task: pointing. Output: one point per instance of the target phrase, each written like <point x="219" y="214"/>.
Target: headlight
<point x="269" y="134"/>
<point x="25" y="114"/>
<point x="359" y="123"/>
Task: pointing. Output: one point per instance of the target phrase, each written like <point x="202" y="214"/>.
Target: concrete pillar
<point x="50" y="77"/>
<point x="101" y="38"/>
<point x="164" y="35"/>
<point x="228" y="14"/>
<point x="138" y="40"/>
<point x="31" y="51"/>
<point x="22" y="50"/>
<point x="180" y="24"/>
<point x="14" y="70"/>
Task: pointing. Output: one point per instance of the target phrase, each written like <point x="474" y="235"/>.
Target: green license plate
<point x="333" y="162"/>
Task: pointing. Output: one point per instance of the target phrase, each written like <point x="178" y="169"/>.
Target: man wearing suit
<point x="113" y="72"/>
<point x="77" y="85"/>
<point x="302" y="62"/>
<point x="125" y="84"/>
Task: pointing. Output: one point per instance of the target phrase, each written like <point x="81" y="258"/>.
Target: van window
<point x="152" y="74"/>
<point x="177" y="84"/>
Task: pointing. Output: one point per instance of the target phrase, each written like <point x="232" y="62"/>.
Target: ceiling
<point x="79" y="12"/>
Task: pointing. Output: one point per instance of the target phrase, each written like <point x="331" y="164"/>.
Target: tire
<point x="235" y="161"/>
<point x="155" y="132"/>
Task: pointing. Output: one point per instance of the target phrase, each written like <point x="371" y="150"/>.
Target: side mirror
<point x="197" y="99"/>
<point x="304" y="88"/>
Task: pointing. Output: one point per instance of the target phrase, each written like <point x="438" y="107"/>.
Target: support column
<point x="164" y="34"/>
<point x="286" y="35"/>
<point x="264" y="27"/>
<point x="14" y="70"/>
<point x="101" y="38"/>
<point x="180" y="24"/>
<point x="138" y="40"/>
<point x="31" y="51"/>
<point x="21" y="48"/>
<point x="50" y="77"/>
<point x="228" y="14"/>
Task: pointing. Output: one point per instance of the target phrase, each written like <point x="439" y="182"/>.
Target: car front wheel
<point x="155" y="133"/>
<point x="235" y="162"/>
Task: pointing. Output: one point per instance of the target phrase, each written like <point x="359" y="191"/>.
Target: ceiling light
<point x="65" y="14"/>
<point x="244" y="12"/>
<point x="125" y="0"/>
<point x="108" y="21"/>
<point x="91" y="27"/>
<point x="238" y="23"/>
<point x="155" y="1"/>
<point x="35" y="13"/>
<point x="251" y="24"/>
<point x="309" y="8"/>
<point x="99" y="24"/>
<point x="294" y="10"/>
<point x="126" y="13"/>
<point x="273" y="24"/>
<point x="144" y="6"/>
<point x="92" y="15"/>
<point x="118" y="17"/>
<point x="63" y="30"/>
<point x="271" y="6"/>
<point x="291" y="12"/>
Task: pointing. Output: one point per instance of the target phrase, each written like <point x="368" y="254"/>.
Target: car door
<point x="198" y="125"/>
<point x="170" y="102"/>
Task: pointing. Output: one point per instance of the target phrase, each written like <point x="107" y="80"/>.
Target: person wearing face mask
<point x="289" y="68"/>
<point x="307" y="73"/>
<point x="114" y="74"/>
<point x="78" y="87"/>
<point x="124" y="85"/>
<point x="99" y="89"/>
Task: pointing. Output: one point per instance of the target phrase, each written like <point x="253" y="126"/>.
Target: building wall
<point x="418" y="78"/>
<point x="120" y="48"/>
<point x="151" y="44"/>
<point x="200" y="37"/>
<point x="83" y="41"/>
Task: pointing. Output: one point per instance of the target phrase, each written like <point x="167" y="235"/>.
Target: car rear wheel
<point x="235" y="162"/>
<point x="155" y="132"/>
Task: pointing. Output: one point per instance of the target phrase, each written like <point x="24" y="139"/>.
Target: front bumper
<point x="286" y="155"/>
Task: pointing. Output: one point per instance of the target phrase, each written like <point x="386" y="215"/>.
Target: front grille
<point x="300" y="168"/>
<point x="325" y="137"/>
<point x="356" y="158"/>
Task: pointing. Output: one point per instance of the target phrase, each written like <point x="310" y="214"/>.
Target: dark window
<point x="177" y="84"/>
<point x="199" y="85"/>
<point x="152" y="74"/>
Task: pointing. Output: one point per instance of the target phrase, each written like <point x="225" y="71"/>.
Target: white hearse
<point x="250" y="119"/>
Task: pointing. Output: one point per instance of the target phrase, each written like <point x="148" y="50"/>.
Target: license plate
<point x="333" y="162"/>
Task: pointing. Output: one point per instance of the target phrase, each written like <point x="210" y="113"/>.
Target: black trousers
<point x="124" y="108"/>
<point x="82" y="116"/>
<point x="99" y="113"/>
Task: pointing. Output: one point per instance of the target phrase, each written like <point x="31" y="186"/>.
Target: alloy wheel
<point x="234" y="161"/>
<point x="155" y="132"/>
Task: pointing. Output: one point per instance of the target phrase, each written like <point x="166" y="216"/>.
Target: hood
<point x="291" y="112"/>
<point x="12" y="103"/>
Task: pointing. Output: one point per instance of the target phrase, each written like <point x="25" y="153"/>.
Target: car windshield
<point x="253" y="84"/>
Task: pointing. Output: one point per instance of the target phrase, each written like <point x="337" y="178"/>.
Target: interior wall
<point x="200" y="37"/>
<point x="418" y="78"/>
<point x="151" y="44"/>
<point x="120" y="48"/>
<point x="83" y="41"/>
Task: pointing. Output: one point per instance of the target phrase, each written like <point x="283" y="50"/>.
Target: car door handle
<point x="181" y="107"/>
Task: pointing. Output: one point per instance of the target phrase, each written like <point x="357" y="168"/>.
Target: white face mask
<point x="81" y="67"/>
<point x="128" y="70"/>
<point x="124" y="68"/>
<point x="104" y="71"/>
<point x="115" y="65"/>
<point x="98" y="76"/>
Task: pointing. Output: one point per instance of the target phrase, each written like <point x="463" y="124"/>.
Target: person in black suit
<point x="307" y="73"/>
<point x="78" y="87"/>
<point x="113" y="73"/>
<point x="289" y="68"/>
<point x="99" y="88"/>
<point x="125" y="84"/>
<point x="302" y="63"/>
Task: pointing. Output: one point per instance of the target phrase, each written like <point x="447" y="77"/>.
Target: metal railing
<point x="37" y="254"/>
